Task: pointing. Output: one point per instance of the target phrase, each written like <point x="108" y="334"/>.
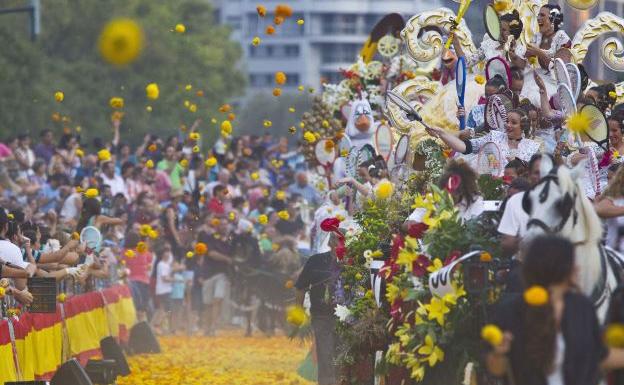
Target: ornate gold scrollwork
<point x="528" y="10"/>
<point x="430" y="44"/>
<point x="416" y="92"/>
<point x="611" y="50"/>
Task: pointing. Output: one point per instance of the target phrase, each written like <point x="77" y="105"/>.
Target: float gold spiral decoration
<point x="416" y="92"/>
<point x="611" y="51"/>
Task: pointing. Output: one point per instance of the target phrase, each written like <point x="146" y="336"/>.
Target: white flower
<point x="342" y="312"/>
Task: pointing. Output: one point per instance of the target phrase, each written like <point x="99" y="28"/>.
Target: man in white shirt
<point x="116" y="182"/>
<point x="513" y="224"/>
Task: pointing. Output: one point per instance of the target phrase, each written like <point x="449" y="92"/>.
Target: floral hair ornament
<point x="453" y="183"/>
<point x="332" y="225"/>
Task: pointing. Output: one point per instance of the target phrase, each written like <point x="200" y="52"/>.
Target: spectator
<point x="302" y="188"/>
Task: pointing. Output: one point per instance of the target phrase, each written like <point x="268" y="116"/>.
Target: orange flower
<point x="277" y="91"/>
<point x="486" y="257"/>
<point x="231" y="116"/>
<point x="200" y="248"/>
<point x="152" y="147"/>
<point x="329" y="145"/>
<point x="261" y="10"/>
<point x="289" y="284"/>
<point x="283" y="10"/>
<point x="270" y="30"/>
<point x="280" y="78"/>
<point x="141" y="247"/>
<point x="225" y="108"/>
<point x="278" y="20"/>
<point x="56" y="117"/>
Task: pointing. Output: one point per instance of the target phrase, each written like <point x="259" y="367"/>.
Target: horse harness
<point x="565" y="206"/>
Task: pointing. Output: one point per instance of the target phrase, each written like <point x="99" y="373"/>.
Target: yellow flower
<point x="280" y="78"/>
<point x="502" y="6"/>
<point x="406" y="258"/>
<point x="211" y="162"/>
<point x="144" y="230"/>
<point x="189" y="254"/>
<point x="437" y="309"/>
<point x="152" y="91"/>
<point x="263" y="219"/>
<point x="486" y="257"/>
<point x="480" y="79"/>
<point x="309" y="137"/>
<point x="149" y="163"/>
<point x="193" y="107"/>
<point x="194" y="136"/>
<point x="59" y="96"/>
<point x="578" y="122"/>
<point x="280" y="195"/>
<point x="121" y="41"/>
<point x="141" y="247"/>
<point x="62" y="297"/>
<point x="184" y="162"/>
<point x="301" y="124"/>
<point x="536" y="296"/>
<point x="435" y="266"/>
<point x="261" y="9"/>
<point x="613" y="94"/>
<point x="277" y="92"/>
<point x="432" y="353"/>
<point x="226" y="126"/>
<point x="104" y="155"/>
<point x="129" y="253"/>
<point x="392" y="292"/>
<point x="116" y="102"/>
<point x="75" y="236"/>
<point x="614" y="335"/>
<point x="292" y="129"/>
<point x="300" y="22"/>
<point x="148" y="108"/>
<point x="533" y="60"/>
<point x="79" y="153"/>
<point x="492" y="334"/>
<point x="153" y="234"/>
<point x="232" y="215"/>
<point x="188" y="87"/>
<point x="267" y="123"/>
<point x="195" y="149"/>
<point x="296" y="315"/>
<point x="254" y="176"/>
<point x="289" y="284"/>
<point x="291" y="109"/>
<point x="180" y="28"/>
<point x="384" y="189"/>
<point x="2" y="292"/>
<point x="91" y="193"/>
<point x="255" y="41"/>
<point x="283" y="215"/>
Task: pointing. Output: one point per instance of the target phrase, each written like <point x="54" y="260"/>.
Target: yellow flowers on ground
<point x="121" y="41"/>
<point x="280" y="78"/>
<point x="104" y="155"/>
<point x="309" y="137"/>
<point x="283" y="215"/>
<point x="233" y="360"/>
<point x="614" y="335"/>
<point x="492" y="334"/>
<point x="180" y="28"/>
<point x="384" y="189"/>
<point x="263" y="219"/>
<point x="211" y="162"/>
<point x="59" y="96"/>
<point x="296" y="315"/>
<point x="578" y="122"/>
<point x="116" y="102"/>
<point x="91" y="193"/>
<point x="152" y="91"/>
<point x="536" y="296"/>
<point x="480" y="79"/>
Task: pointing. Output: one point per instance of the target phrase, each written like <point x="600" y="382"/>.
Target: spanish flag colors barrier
<point x="42" y="342"/>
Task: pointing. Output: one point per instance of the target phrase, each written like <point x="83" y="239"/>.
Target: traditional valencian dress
<point x="530" y="90"/>
<point x="490" y="49"/>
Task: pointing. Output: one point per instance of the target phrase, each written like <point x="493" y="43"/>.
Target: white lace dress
<point x="531" y="91"/>
<point x="526" y="148"/>
<point x="490" y="49"/>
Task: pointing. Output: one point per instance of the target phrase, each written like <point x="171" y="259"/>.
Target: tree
<point x="65" y="57"/>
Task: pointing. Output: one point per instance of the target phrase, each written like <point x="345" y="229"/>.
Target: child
<point x="178" y="289"/>
<point x="163" y="288"/>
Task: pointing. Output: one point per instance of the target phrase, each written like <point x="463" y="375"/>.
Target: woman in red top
<point x="140" y="266"/>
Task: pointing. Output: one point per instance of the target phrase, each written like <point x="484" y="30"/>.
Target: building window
<point x="339" y="53"/>
<point x="263" y="80"/>
<point x="291" y="51"/>
<point x="331" y="77"/>
<point x="339" y="24"/>
<point x="274" y="51"/>
<point x="234" y="22"/>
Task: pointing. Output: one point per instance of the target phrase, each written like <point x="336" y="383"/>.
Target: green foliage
<point x="491" y="188"/>
<point x="65" y="57"/>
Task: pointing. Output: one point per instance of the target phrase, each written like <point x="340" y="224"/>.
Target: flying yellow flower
<point x="195" y="149"/>
<point x="280" y="78"/>
<point x="92" y="193"/>
<point x="261" y="9"/>
<point x="492" y="334"/>
<point x="153" y="234"/>
<point x="232" y="216"/>
<point x="104" y="155"/>
<point x="254" y="176"/>
<point x="189" y="254"/>
<point x="384" y="189"/>
<point x="432" y="353"/>
<point x="180" y="28"/>
<point x="263" y="219"/>
<point x="188" y="87"/>
<point x="536" y="296"/>
<point x="283" y="215"/>
<point x="152" y="91"/>
<point x="184" y="163"/>
<point x="62" y="297"/>
<point x="59" y="96"/>
<point x="149" y="163"/>
<point x="300" y="22"/>
<point x="211" y="162"/>
<point x="129" y="253"/>
<point x="280" y="195"/>
<point x="226" y="126"/>
<point x="270" y="30"/>
<point x="144" y="230"/>
<point x="116" y="102"/>
<point x="296" y="315"/>
<point x="195" y="136"/>
<point x="121" y="41"/>
<point x="267" y="123"/>
<point x="277" y="92"/>
<point x="141" y="247"/>
<point x="614" y="335"/>
<point x="480" y="79"/>
<point x="255" y="41"/>
<point x="301" y="88"/>
<point x="309" y="137"/>
<point x="193" y="107"/>
<point x="578" y="122"/>
<point x="79" y="153"/>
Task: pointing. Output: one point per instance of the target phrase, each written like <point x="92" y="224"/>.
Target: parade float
<point x="412" y="297"/>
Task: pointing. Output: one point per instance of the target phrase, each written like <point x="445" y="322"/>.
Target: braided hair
<point x="556" y="16"/>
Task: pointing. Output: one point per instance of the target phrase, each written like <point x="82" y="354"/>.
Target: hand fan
<point x="344" y="144"/>
<point x="91" y="237"/>
<point x="489" y="161"/>
<point x="567" y="102"/>
<point x="575" y="79"/>
<point x="384" y="141"/>
<point x="496" y="113"/>
<point x="460" y="84"/>
<point x="351" y="162"/>
<point x="492" y="23"/>
<point x="561" y="72"/>
<point x="400" y="152"/>
<point x="365" y="153"/>
<point x="498" y="66"/>
<point x="598" y="129"/>
<point x="410" y="112"/>
<point x="325" y="152"/>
